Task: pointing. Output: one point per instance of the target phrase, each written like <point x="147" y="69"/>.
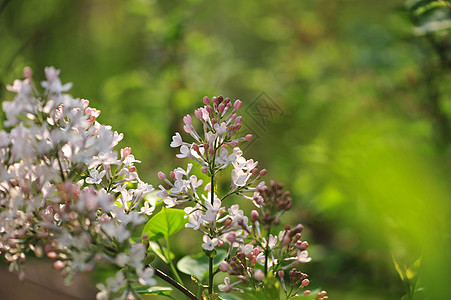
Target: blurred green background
<point x="354" y="117"/>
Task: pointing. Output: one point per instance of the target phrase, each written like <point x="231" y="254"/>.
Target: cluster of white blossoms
<point x="64" y="191"/>
<point x="214" y="149"/>
<point x="252" y="251"/>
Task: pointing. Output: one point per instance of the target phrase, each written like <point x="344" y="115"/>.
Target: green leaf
<point x="398" y="268"/>
<point x="229" y="296"/>
<point x="304" y="297"/>
<point x="414" y="5"/>
<point x="426" y="9"/>
<point x="155" y="290"/>
<point x="197" y="265"/>
<point x="158" y="251"/>
<point x="165" y="223"/>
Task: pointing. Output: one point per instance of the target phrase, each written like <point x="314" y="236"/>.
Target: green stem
<point x="267" y="252"/>
<point x="212" y="199"/>
<point x="171" y="264"/>
<point x="210" y="275"/>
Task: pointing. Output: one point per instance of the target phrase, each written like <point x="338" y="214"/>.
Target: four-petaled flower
<point x="209" y="243"/>
<point x="95" y="176"/>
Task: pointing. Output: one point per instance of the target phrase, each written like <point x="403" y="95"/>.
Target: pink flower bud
<point x="58" y="265"/>
<point x="227" y="223"/>
<point x="297" y="229"/>
<point x="252" y="259"/>
<point x="198" y="114"/>
<point x="306" y="292"/>
<point x="237" y="127"/>
<point x="206" y="100"/>
<point x="187" y="119"/>
<point x="161" y="175"/>
<point x="238" y="119"/>
<point x="27" y="72"/>
<point x="125" y="152"/>
<point x="231" y="237"/>
<point x="254" y="216"/>
<point x="305" y="282"/>
<point x="254" y="172"/>
<point x="132" y="169"/>
<point x="234" y="143"/>
<point x="297" y="236"/>
<point x="204" y="169"/>
<point x="281" y="274"/>
<point x="224" y="266"/>
<point x="263" y="172"/>
<point x="213" y="121"/>
<point x="209" y="109"/>
<point x="248" y="137"/>
<point x="52" y="254"/>
<point x="220" y="243"/>
<point x="214" y="99"/>
<point x="172" y="174"/>
<point x="286" y="241"/>
<point x="221" y="107"/>
<point x="237" y="104"/>
<point x="259" y="275"/>
<point x="303" y="245"/>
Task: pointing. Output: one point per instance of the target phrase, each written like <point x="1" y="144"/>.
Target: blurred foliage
<point x="361" y="89"/>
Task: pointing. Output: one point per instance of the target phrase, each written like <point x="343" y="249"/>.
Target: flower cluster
<point x="214" y="149"/>
<point x="253" y="252"/>
<point x="64" y="191"/>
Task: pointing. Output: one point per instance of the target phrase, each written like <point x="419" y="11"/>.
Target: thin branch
<point x="174" y="283"/>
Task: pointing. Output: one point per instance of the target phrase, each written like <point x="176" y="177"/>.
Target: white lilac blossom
<point x="59" y="174"/>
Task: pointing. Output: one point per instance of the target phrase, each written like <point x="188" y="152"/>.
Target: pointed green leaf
<point x="155" y="290"/>
<point x="165" y="223"/>
<point x="229" y="296"/>
<point x="398" y="268"/>
<point x="197" y="265"/>
<point x="158" y="251"/>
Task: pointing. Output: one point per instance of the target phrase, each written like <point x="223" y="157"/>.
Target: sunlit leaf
<point x="197" y="265"/>
<point x="155" y="290"/>
<point x="398" y="268"/>
<point x="165" y="223"/>
<point x="156" y="248"/>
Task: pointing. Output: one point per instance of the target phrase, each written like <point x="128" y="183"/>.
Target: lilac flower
<point x="226" y="286"/>
<point x="95" y="176"/>
<point x="53" y="82"/>
<point x="176" y="140"/>
<point x="147" y="209"/>
<point x="209" y="243"/>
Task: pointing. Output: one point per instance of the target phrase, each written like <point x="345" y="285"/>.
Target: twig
<point x="174" y="283"/>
